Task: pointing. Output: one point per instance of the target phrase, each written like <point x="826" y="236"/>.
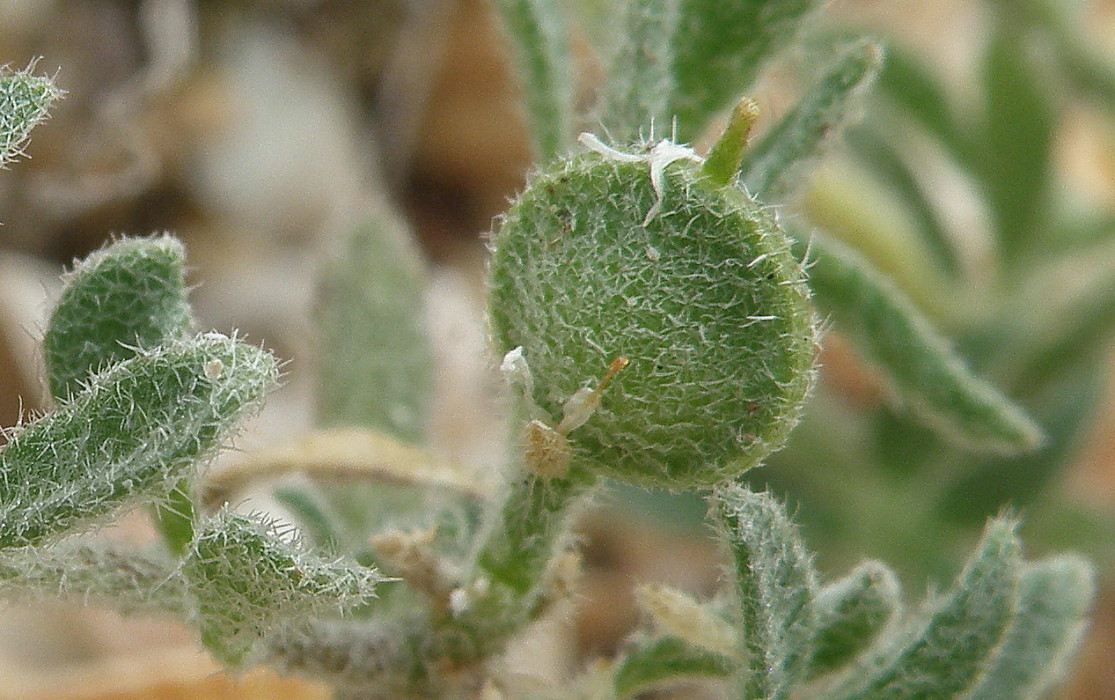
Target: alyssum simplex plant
<point x="657" y="326"/>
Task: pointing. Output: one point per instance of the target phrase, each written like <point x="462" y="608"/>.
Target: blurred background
<point x="981" y="179"/>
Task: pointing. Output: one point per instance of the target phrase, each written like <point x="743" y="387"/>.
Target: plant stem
<point x="510" y="564"/>
<point x="531" y="520"/>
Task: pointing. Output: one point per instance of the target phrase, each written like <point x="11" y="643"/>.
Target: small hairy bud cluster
<point x="24" y="102"/>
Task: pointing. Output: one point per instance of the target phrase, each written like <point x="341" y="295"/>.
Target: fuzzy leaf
<point x="943" y="653"/>
<point x="247" y="578"/>
<point x="891" y="167"/>
<point x="775" y="166"/>
<point x="1019" y="133"/>
<point x="908" y="81"/>
<point x="122" y="577"/>
<point x="364" y="660"/>
<point x="125" y="297"/>
<point x="919" y="368"/>
<point x="1054" y="597"/>
<point x="540" y="55"/>
<point x="720" y="48"/>
<point x="776" y="585"/>
<point x="375" y="368"/>
<point x="616" y="255"/>
<point x="24" y="102"/>
<point x="654" y="661"/>
<point x="851" y="613"/>
<point x="135" y="431"/>
<point x="640" y="75"/>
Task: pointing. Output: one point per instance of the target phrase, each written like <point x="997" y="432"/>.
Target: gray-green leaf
<point x="376" y="366"/>
<point x="774" y="168"/>
<point x="851" y="613"/>
<point x="134" y="433"/>
<point x="247" y="578"/>
<point x="776" y="585"/>
<point x="540" y="54"/>
<point x="640" y="75"/>
<point x="125" y="297"/>
<point x="944" y="652"/>
<point x="117" y="575"/>
<point x="720" y="48"/>
<point x="1054" y="597"/>
<point x="920" y="370"/>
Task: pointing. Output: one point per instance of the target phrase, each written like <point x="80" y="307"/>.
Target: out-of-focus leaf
<point x="887" y="164"/>
<point x="1016" y="148"/>
<point x="920" y="370"/>
<point x="907" y="81"/>
<point x="375" y="368"/>
<point x="720" y="48"/>
<point x="540" y="55"/>
<point x="774" y="168"/>
<point x="640" y="75"/>
<point x="25" y="100"/>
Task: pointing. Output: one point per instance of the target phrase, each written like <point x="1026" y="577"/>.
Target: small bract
<point x="693" y="282"/>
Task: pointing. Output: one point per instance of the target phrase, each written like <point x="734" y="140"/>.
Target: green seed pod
<point x="609" y="255"/>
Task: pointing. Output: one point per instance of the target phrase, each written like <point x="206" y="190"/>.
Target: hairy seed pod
<point x="608" y="254"/>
